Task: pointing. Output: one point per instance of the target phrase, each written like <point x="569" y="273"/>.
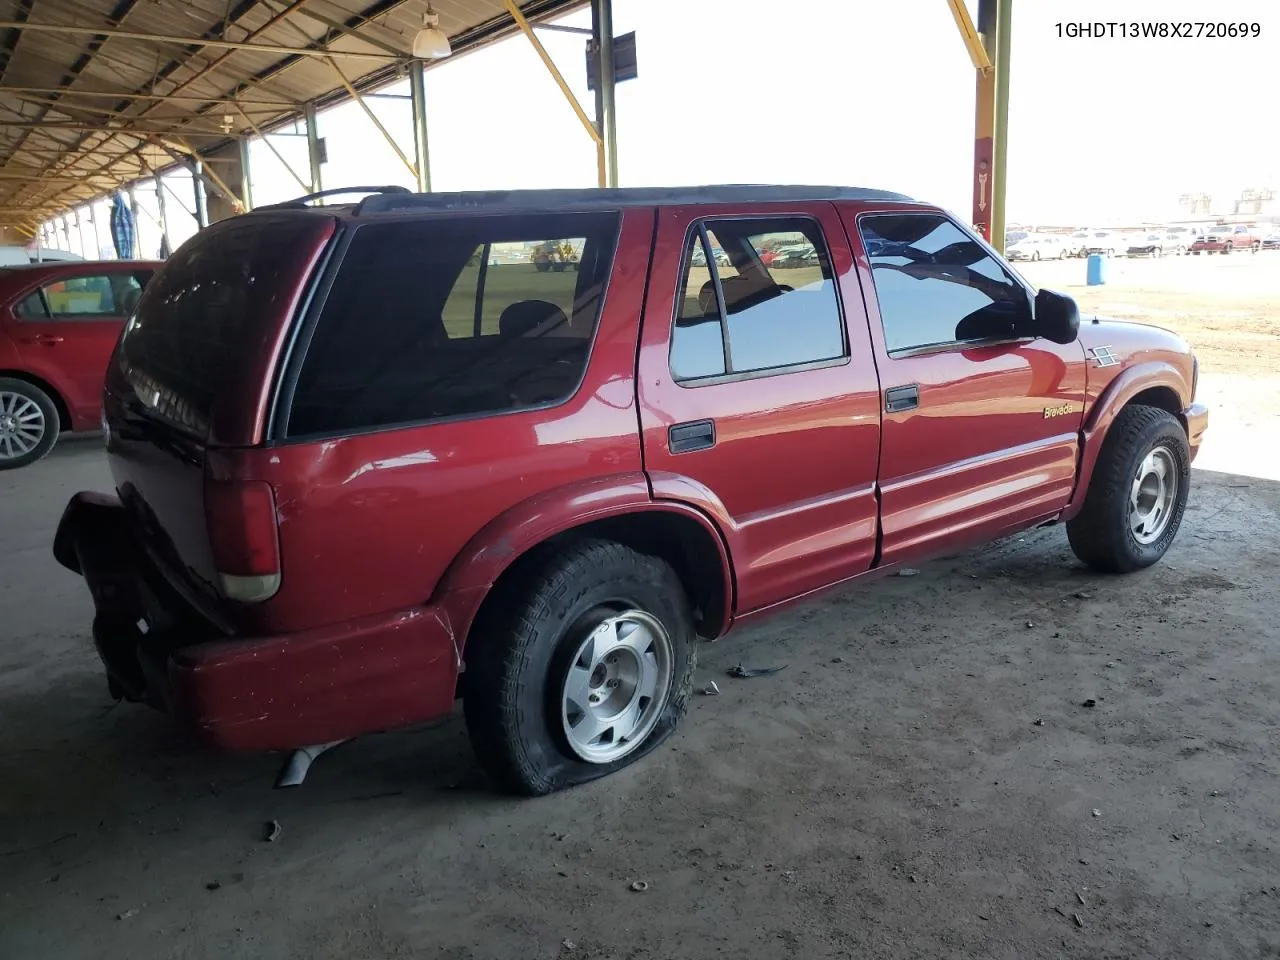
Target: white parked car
<point x="1103" y="241"/>
<point x="1039" y="247"/>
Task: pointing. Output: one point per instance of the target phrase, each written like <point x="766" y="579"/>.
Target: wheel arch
<point x="64" y="412"/>
<point x="1156" y="383"/>
<point x="621" y="511"/>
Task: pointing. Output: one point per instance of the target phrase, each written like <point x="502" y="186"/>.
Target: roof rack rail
<point x="336" y="191"/>
<point x="593" y="197"/>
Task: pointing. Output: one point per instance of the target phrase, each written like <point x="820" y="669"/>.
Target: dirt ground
<point x="922" y="780"/>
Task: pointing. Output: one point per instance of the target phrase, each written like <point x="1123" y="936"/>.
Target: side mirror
<point x="1057" y="318"/>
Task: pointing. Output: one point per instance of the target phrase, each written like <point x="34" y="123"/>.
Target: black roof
<point x="392" y="199"/>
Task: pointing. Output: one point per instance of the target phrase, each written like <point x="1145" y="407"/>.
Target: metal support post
<point x="246" y="184"/>
<point x="418" y="103"/>
<point x="164" y="218"/>
<point x="313" y="148"/>
<point x="999" y="160"/>
<point x="606" y="111"/>
<point x="84" y="247"/>
<point x="984" y="114"/>
<point x="136" y="252"/>
<point x="197" y="185"/>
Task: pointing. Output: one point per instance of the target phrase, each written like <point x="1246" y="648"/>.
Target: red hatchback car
<point x="59" y="323"/>
<point x="368" y="458"/>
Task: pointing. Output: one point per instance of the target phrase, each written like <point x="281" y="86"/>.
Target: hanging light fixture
<point x="431" y="43"/>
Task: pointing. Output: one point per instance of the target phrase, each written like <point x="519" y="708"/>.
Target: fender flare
<point x="1127" y="385"/>
<point x="507" y="537"/>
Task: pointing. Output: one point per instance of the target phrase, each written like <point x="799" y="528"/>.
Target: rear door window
<point x="86" y="297"/>
<point x="757" y="295"/>
<point x="204" y="315"/>
<point x="454" y="317"/>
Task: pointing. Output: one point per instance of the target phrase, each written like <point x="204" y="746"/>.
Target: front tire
<point x="1137" y="494"/>
<point x="581" y="665"/>
<point x="28" y="423"/>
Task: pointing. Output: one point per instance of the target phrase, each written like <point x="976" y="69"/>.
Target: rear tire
<point x="560" y="661"/>
<point x="28" y="423"/>
<point x="1137" y="494"/>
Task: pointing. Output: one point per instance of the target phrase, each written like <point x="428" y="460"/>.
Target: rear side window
<point x="936" y="285"/>
<point x="88" y="297"/>
<point x="444" y="318"/>
<point x="755" y="295"/>
<point x="206" y="311"/>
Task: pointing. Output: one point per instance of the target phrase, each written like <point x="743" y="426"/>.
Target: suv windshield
<point x="197" y="320"/>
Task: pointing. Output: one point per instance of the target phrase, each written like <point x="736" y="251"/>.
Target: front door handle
<point x="688" y="437"/>
<point x="897" y="399"/>
<point x="48" y="339"/>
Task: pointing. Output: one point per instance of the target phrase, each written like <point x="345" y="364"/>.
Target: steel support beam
<point x="606" y="106"/>
<point x="999" y="159"/>
<point x="373" y="118"/>
<point x="62" y="93"/>
<point x="266" y="139"/>
<point x="197" y="188"/>
<point x="552" y="69"/>
<point x="313" y="149"/>
<point x="164" y="216"/>
<point x="984" y="113"/>
<point x="136" y="210"/>
<point x="246" y="183"/>
<point x="276" y="48"/>
<point x="418" y="104"/>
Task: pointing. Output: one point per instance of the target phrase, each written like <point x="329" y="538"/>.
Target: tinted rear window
<point x="454" y="317"/>
<point x="211" y="305"/>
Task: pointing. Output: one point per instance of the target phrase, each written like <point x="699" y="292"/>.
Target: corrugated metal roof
<point x="81" y="113"/>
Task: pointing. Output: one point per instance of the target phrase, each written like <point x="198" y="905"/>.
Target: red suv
<point x="59" y="323"/>
<point x="369" y="459"/>
<point x="1225" y="238"/>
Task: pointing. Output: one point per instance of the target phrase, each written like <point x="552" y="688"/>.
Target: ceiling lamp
<point x="431" y="43"/>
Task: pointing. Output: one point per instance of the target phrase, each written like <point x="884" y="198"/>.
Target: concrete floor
<point x="889" y="794"/>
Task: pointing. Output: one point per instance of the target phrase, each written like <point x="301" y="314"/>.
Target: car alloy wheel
<point x="22" y="425"/>
<point x="1153" y="495"/>
<point x="616" y="686"/>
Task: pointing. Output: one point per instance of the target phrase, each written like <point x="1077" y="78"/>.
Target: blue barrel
<point x="1096" y="270"/>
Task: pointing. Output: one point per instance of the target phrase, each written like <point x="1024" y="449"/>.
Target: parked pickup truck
<point x="361" y="472"/>
<point x="1225" y="238"/>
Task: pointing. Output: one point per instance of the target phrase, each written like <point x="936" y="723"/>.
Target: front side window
<point x="936" y="285"/>
<point x="85" y="298"/>
<point x="454" y="317"/>
<point x="755" y="295"/>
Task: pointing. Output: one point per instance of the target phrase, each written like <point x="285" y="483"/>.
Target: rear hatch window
<point x="211" y="311"/>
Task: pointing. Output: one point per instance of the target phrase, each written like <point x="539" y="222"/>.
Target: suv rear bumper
<point x="274" y="692"/>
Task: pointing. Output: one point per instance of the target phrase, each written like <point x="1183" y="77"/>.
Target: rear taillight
<point x="241" y="516"/>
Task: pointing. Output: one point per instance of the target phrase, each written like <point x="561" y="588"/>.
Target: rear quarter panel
<point x="371" y="523"/>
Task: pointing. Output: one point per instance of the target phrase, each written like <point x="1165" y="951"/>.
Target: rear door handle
<point x="897" y="399"/>
<point x="48" y="339"/>
<point x="688" y="437"/>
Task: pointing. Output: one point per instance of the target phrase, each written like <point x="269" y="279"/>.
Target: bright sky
<point x="845" y="92"/>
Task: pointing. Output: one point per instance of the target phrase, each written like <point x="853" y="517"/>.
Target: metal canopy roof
<point x="82" y="112"/>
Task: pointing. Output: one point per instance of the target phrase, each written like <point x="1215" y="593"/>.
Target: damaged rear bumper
<point x="272" y="692"/>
